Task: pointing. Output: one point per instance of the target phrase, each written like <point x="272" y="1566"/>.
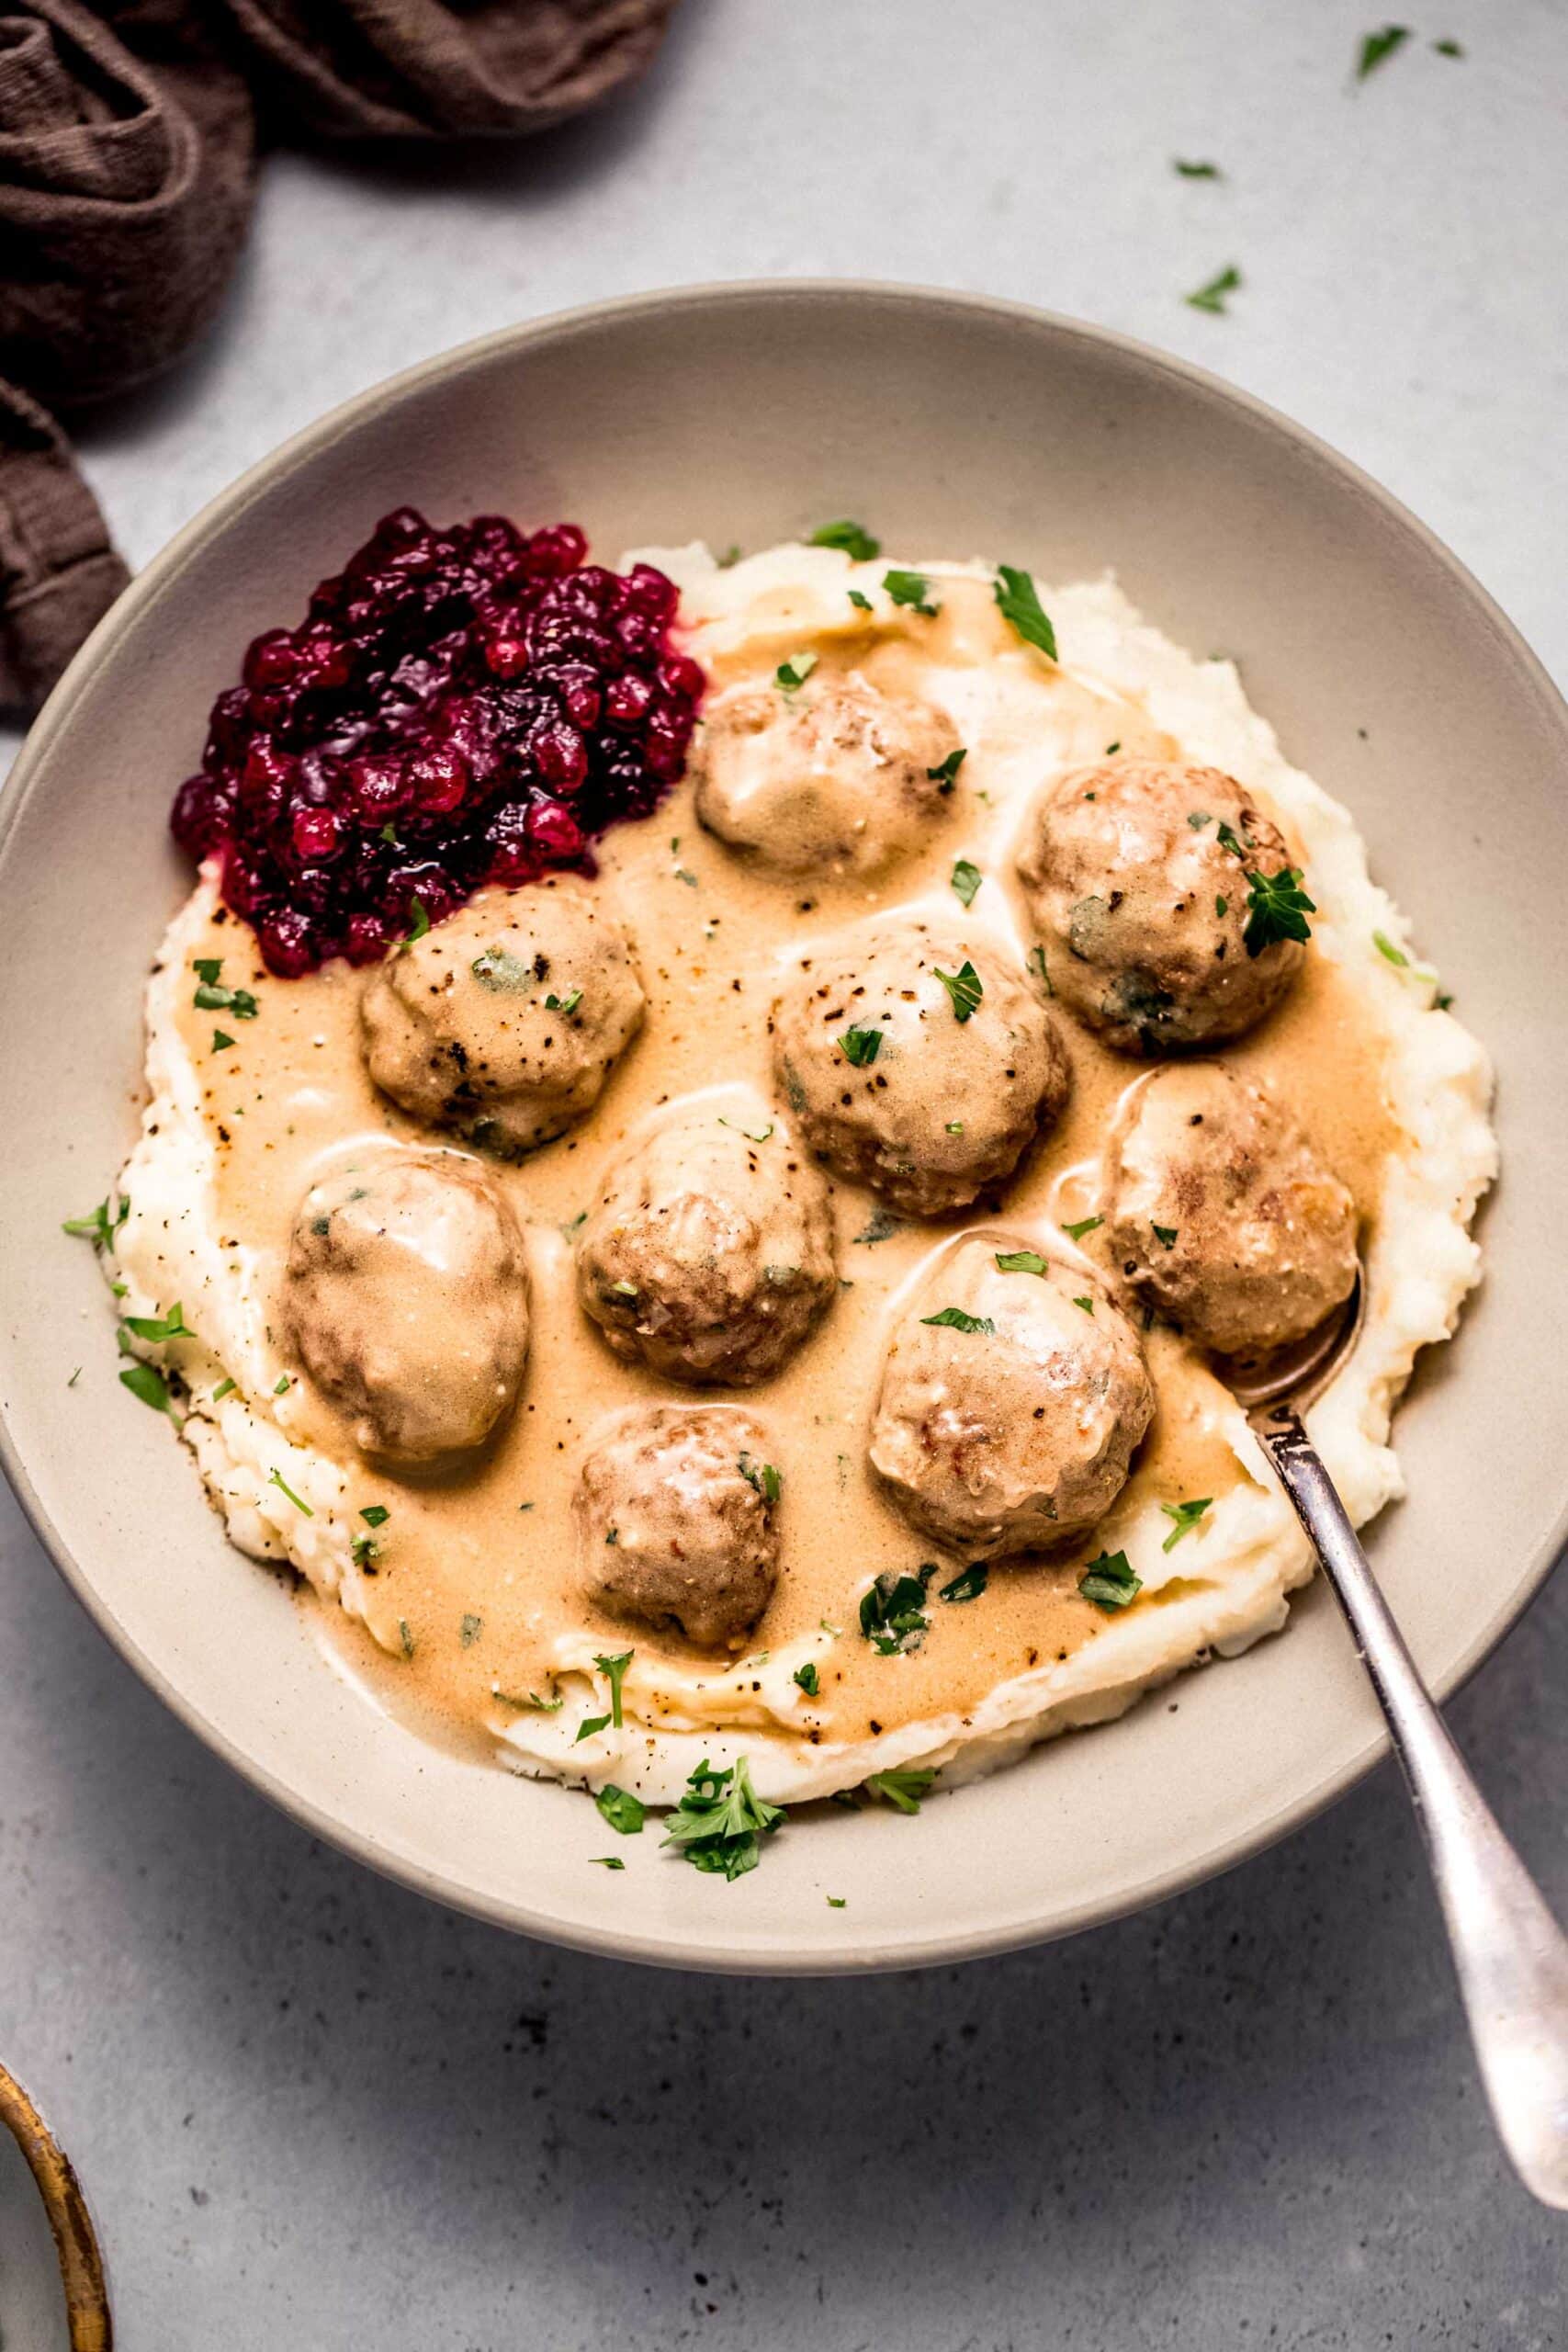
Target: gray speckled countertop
<point x="314" y="2111"/>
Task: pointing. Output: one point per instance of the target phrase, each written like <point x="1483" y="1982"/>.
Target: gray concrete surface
<point x="315" y="2112"/>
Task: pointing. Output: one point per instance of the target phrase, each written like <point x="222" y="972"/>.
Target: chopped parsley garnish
<point x="955" y="1126"/>
<point x="1037" y="965"/>
<point x="753" y="1135"/>
<point x="145" y="1381"/>
<point x="615" y="1667"/>
<point x="1222" y="906"/>
<point x="967" y="880"/>
<point x="389" y="834"/>
<point x="1389" y="952"/>
<point x="220" y="1038"/>
<point x="806" y="1677"/>
<point x="945" y="772"/>
<point x="958" y="1318"/>
<point x="860" y="1046"/>
<point x="730" y="557"/>
<point x="623" y="1289"/>
<point x="911" y="588"/>
<point x="852" y="538"/>
<point x="375" y="1514"/>
<point x="608" y="1861"/>
<point x="224" y="1388"/>
<point x="470" y="1629"/>
<point x="1165" y="1234"/>
<point x="504" y="974"/>
<point x="790" y="675"/>
<point x="685" y="874"/>
<point x="1376" y="48"/>
<point x="531" y="1704"/>
<point x="566" y="1004"/>
<point x="882" y="1226"/>
<point x="903" y="1789"/>
<point x="1109" y="1581"/>
<point x="1448" y="48"/>
<point x="837" y="1902"/>
<point x="1280" y="908"/>
<point x="968" y="1584"/>
<point x="418" y="923"/>
<point x="1086" y="1303"/>
<point x="365" y="1551"/>
<point x="964" y="987"/>
<point x="861" y="603"/>
<point x="1195" y="171"/>
<point x="762" y="1475"/>
<point x="1081" y="1225"/>
<point x="158" y="1328"/>
<point x="405" y="1636"/>
<point x="276" y="1478"/>
<point x="99" y="1226"/>
<point x="1020" y="1261"/>
<point x="720" y="1822"/>
<point x="1212" y="297"/>
<point x="212" y="997"/>
<point x="1184" y="1518"/>
<point x="1198" y="819"/>
<point x="893" y="1611"/>
<point x="623" y="1811"/>
<point x="1227" y="840"/>
<point x="1018" y="600"/>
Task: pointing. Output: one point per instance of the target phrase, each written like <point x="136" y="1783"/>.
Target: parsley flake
<point x="1083" y="1225"/>
<point x="220" y="1038"/>
<point x="790" y="675"/>
<point x="768" y="1481"/>
<point x="276" y="1478"/>
<point x="861" y="603"/>
<point x="1020" y="1261"/>
<point x="903" y="1789"/>
<point x="566" y="1004"/>
<point x="1185" y="1517"/>
<point x="375" y="1514"/>
<point x="893" y="1611"/>
<point x="99" y="1226"/>
<point x="1212" y="297"/>
<point x="615" y="1667"/>
<point x="1037" y="965"/>
<point x="1165" y="1234"/>
<point x="837" y="1902"/>
<point x="211" y="998"/>
<point x="753" y="1135"/>
<point x="882" y="1227"/>
<point x="1376" y="48"/>
<point x="964" y="987"/>
<point x="156" y="1329"/>
<point x="911" y="588"/>
<point x="957" y="1318"/>
<point x="1086" y="1303"/>
<point x="720" y="1822"/>
<point x="418" y="923"/>
<point x="623" y="1811"/>
<point x="608" y="1861"/>
<point x="806" y="1677"/>
<point x="1389" y="952"/>
<point x="965" y="879"/>
<point x="145" y="1381"/>
<point x="1278" y="910"/>
<point x="1110" y="1582"/>
<point x="860" y="1046"/>
<point x="945" y="772"/>
<point x="968" y="1584"/>
<point x="854" y="539"/>
<point x="1195" y="171"/>
<point x="224" y="1388"/>
<point x="470" y="1629"/>
<point x="1018" y="600"/>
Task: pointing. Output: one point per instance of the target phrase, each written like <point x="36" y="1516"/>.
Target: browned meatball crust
<point x="1220" y="1211"/>
<point x="676" y="1508"/>
<point x="1011" y="1428"/>
<point x="1137" y="876"/>
<point x="405" y="1294"/>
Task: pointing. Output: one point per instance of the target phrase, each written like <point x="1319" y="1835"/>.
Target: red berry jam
<point x="460" y="707"/>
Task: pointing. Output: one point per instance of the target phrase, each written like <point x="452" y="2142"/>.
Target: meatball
<point x="1011" y="1402"/>
<point x="504" y="1022"/>
<point x="405" y="1293"/>
<point x="836" y="774"/>
<point x="1143" y="908"/>
<point x="675" y="1521"/>
<point x="709" y="1252"/>
<point x="928" y="1087"/>
<point x="1220" y="1211"/>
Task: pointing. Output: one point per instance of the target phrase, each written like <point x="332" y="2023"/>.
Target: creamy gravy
<point x="474" y="1588"/>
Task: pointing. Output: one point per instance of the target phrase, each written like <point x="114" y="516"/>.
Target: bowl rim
<point x="662" y="1949"/>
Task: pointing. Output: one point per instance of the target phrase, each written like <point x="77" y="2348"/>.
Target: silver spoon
<point x="1511" y="1956"/>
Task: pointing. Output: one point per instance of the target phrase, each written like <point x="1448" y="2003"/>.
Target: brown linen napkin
<point x="128" y="144"/>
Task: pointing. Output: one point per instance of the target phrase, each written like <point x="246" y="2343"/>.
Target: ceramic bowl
<point x="748" y="413"/>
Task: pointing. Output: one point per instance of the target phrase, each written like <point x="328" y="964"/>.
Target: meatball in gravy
<point x="709" y="1252"/>
<point x="504" y="1022"/>
<point x="405" y="1294"/>
<point x="1137" y="880"/>
<point x="834" y="774"/>
<point x="917" y="1058"/>
<point x="1220" y="1212"/>
<point x="676" y="1507"/>
<point x="1011" y="1402"/>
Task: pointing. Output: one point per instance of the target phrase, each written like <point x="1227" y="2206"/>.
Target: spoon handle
<point x="1511" y="1956"/>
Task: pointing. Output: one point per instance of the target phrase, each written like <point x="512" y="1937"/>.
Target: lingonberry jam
<point x="460" y="707"/>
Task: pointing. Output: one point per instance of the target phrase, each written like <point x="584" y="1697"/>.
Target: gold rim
<point x="75" y="2243"/>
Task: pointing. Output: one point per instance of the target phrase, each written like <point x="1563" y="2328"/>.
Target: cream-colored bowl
<point x="955" y="426"/>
